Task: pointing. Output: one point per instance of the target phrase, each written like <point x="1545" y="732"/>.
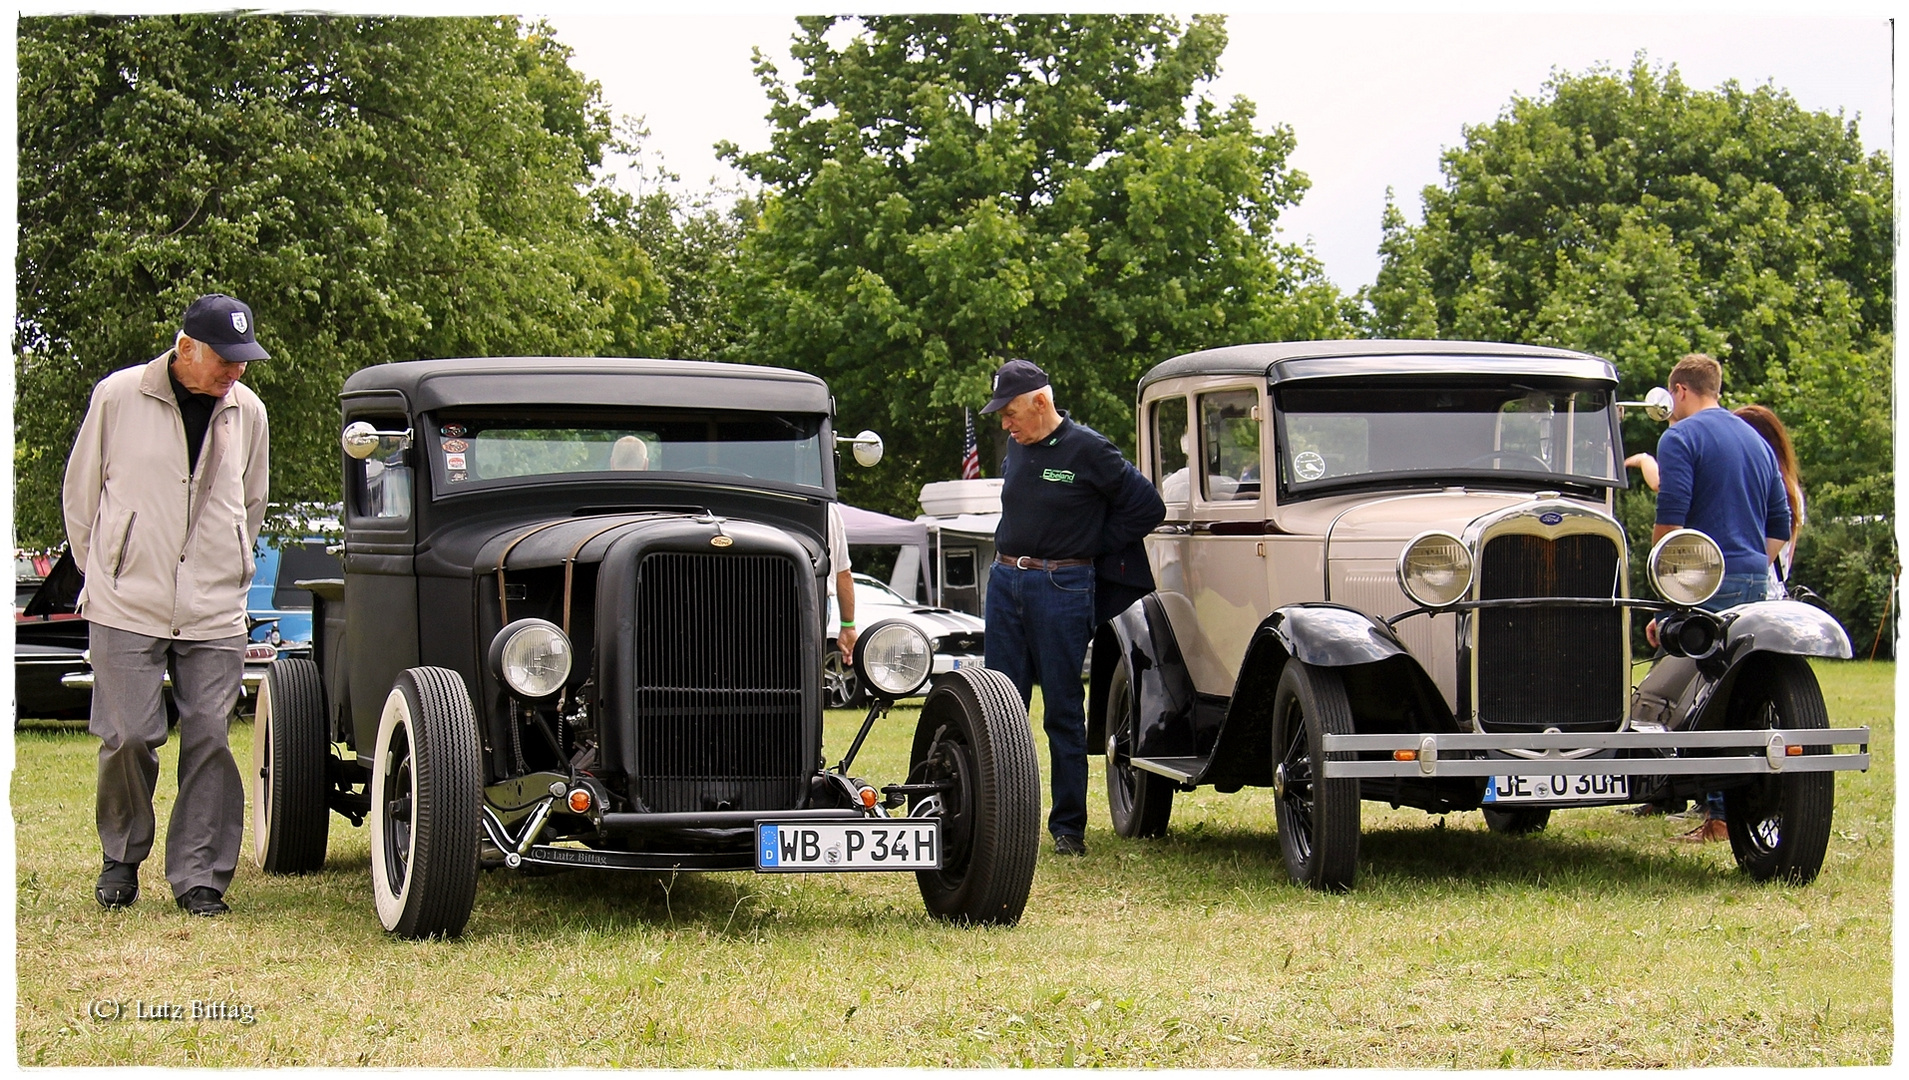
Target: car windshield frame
<point x="1303" y="398"/>
<point x="595" y="445"/>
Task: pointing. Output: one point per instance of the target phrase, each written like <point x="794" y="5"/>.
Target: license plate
<point x="828" y="847"/>
<point x="1558" y="789"/>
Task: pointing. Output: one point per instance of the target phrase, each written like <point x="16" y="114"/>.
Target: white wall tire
<point x="426" y="779"/>
<point x="291" y="822"/>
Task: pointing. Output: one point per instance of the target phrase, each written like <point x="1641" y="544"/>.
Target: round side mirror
<point x="1658" y="403"/>
<point x="360" y="439"/>
<point x="868" y="449"/>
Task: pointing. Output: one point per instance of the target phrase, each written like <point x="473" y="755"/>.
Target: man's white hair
<point x="1046" y="393"/>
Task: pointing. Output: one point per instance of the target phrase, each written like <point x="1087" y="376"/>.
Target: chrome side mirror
<point x="868" y="448"/>
<point x="361" y="440"/>
<point x="1657" y="404"/>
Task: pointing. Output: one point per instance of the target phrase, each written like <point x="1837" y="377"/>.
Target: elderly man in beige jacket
<point x="165" y="495"/>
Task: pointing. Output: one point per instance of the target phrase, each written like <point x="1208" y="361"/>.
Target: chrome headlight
<point x="893" y="659"/>
<point x="532" y="657"/>
<point x="1435" y="569"/>
<point x="1686" y="567"/>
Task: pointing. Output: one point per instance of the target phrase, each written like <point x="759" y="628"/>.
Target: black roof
<point x="613" y="381"/>
<point x="1283" y="360"/>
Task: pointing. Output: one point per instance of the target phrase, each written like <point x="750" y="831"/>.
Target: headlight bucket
<point x="1686" y="567"/>
<point x="532" y="657"/>
<point x="893" y="659"/>
<point x="1435" y="569"/>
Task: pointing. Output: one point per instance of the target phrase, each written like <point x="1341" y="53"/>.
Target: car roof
<point x="594" y="380"/>
<point x="1285" y="360"/>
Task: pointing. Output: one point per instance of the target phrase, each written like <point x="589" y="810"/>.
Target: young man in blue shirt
<point x="1073" y="512"/>
<point x="1718" y="476"/>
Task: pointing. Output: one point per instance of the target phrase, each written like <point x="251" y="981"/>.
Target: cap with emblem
<point x="226" y="324"/>
<point x="1011" y="380"/>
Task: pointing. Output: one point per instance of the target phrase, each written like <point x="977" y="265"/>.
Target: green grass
<point x="1598" y="943"/>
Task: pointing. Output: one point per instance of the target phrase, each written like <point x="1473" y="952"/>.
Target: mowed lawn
<point x="1598" y="943"/>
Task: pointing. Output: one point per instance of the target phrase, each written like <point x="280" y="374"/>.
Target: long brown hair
<point x="1778" y="437"/>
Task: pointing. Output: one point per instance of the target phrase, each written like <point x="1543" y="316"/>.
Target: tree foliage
<point x="947" y="192"/>
<point x="376" y="189"/>
<point x="1628" y="215"/>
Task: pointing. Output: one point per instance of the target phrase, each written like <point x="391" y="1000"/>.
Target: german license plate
<point x="830" y="847"/>
<point x="1558" y="789"/>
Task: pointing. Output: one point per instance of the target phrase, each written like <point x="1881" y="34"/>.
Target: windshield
<point x="1339" y="434"/>
<point x="473" y="451"/>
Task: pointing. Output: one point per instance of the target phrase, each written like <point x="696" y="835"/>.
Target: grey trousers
<point x="129" y="716"/>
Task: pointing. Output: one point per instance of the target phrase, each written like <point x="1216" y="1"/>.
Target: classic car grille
<point x="719" y="680"/>
<point x="1549" y="667"/>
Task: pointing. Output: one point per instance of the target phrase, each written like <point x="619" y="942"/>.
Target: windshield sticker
<point x="459" y="476"/>
<point x="454" y="461"/>
<point x="455" y="446"/>
<point x="1309" y="465"/>
<point x="454" y="431"/>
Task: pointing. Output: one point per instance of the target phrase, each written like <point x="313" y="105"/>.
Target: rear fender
<point x="1162" y="687"/>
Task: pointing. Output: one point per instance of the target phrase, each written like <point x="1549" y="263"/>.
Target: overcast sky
<point x="1372" y="98"/>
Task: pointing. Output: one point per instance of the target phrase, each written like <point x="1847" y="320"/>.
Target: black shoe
<point x="1069" y="845"/>
<point x="118" y="885"/>
<point x="204" y="901"/>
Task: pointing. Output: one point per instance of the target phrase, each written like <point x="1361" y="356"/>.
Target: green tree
<point x="1628" y="215"/>
<point x="376" y="189"/>
<point x="946" y="192"/>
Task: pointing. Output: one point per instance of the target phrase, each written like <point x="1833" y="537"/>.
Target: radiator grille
<point x="1550" y="667"/>
<point x="719" y="680"/>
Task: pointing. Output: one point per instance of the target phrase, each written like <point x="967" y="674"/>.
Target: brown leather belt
<point x="1029" y="562"/>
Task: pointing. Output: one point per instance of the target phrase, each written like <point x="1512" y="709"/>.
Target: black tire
<point x="974" y="733"/>
<point x="425" y="783"/>
<point x="290" y="820"/>
<point x="1318" y="818"/>
<point x="841" y="687"/>
<point x="1780" y="825"/>
<point x="1516" y="822"/>
<point x="1139" y="802"/>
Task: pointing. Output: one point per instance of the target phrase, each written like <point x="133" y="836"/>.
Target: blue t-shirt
<point x="1718" y="476"/>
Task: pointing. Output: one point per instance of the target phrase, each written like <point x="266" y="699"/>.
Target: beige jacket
<point x="166" y="553"/>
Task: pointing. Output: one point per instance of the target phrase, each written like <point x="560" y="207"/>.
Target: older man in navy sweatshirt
<point x="1073" y="512"/>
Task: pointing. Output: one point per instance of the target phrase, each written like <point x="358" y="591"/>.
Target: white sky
<point x="1373" y="98"/>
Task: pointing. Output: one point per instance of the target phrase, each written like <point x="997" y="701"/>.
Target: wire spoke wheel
<point x="1779" y="826"/>
<point x="1318" y="817"/>
<point x="1139" y="802"/>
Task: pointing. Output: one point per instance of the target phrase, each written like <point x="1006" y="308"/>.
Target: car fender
<point x="1382" y="677"/>
<point x="1784" y="627"/>
<point x="1162" y="687"/>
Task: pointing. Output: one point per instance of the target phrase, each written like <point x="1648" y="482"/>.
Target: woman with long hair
<point x="1774" y="433"/>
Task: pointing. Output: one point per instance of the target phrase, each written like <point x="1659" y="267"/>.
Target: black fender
<point x="1783" y="627"/>
<point x="1162" y="687"/>
<point x="1388" y="689"/>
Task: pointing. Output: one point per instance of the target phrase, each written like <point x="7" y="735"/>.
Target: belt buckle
<point x="1020" y="563"/>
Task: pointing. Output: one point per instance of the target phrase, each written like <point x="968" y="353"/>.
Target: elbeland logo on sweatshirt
<point x="1058" y="476"/>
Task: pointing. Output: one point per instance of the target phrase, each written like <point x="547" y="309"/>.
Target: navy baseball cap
<point x="1011" y="380"/>
<point x="227" y="325"/>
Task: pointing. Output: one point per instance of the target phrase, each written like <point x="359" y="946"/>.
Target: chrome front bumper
<point x="1763" y="752"/>
<point x="248" y="682"/>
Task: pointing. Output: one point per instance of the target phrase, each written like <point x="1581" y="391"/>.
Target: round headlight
<point x="1686" y="567"/>
<point x="893" y="659"/>
<point x="1435" y="569"/>
<point x="532" y="657"/>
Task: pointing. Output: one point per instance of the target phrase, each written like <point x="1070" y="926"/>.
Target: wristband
<point x="848" y="624"/>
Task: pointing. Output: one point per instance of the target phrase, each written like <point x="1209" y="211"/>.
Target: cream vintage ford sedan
<point x="1390" y="570"/>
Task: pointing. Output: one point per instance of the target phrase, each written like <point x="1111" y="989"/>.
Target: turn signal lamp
<point x="868" y="797"/>
<point x="580" y="800"/>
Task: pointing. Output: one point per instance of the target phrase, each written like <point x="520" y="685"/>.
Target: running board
<point x="1180" y="770"/>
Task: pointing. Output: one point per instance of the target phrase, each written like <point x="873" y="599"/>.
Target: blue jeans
<point x="1735" y="589"/>
<point x="1039" y="624"/>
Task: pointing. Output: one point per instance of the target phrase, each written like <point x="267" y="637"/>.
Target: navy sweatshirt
<point x="1071" y="496"/>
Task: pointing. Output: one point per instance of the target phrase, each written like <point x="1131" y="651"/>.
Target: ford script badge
<point x="719" y="540"/>
<point x="1551" y="517"/>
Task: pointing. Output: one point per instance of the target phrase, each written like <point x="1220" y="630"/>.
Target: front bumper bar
<point x="1762" y="752"/>
<point x="248" y="682"/>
